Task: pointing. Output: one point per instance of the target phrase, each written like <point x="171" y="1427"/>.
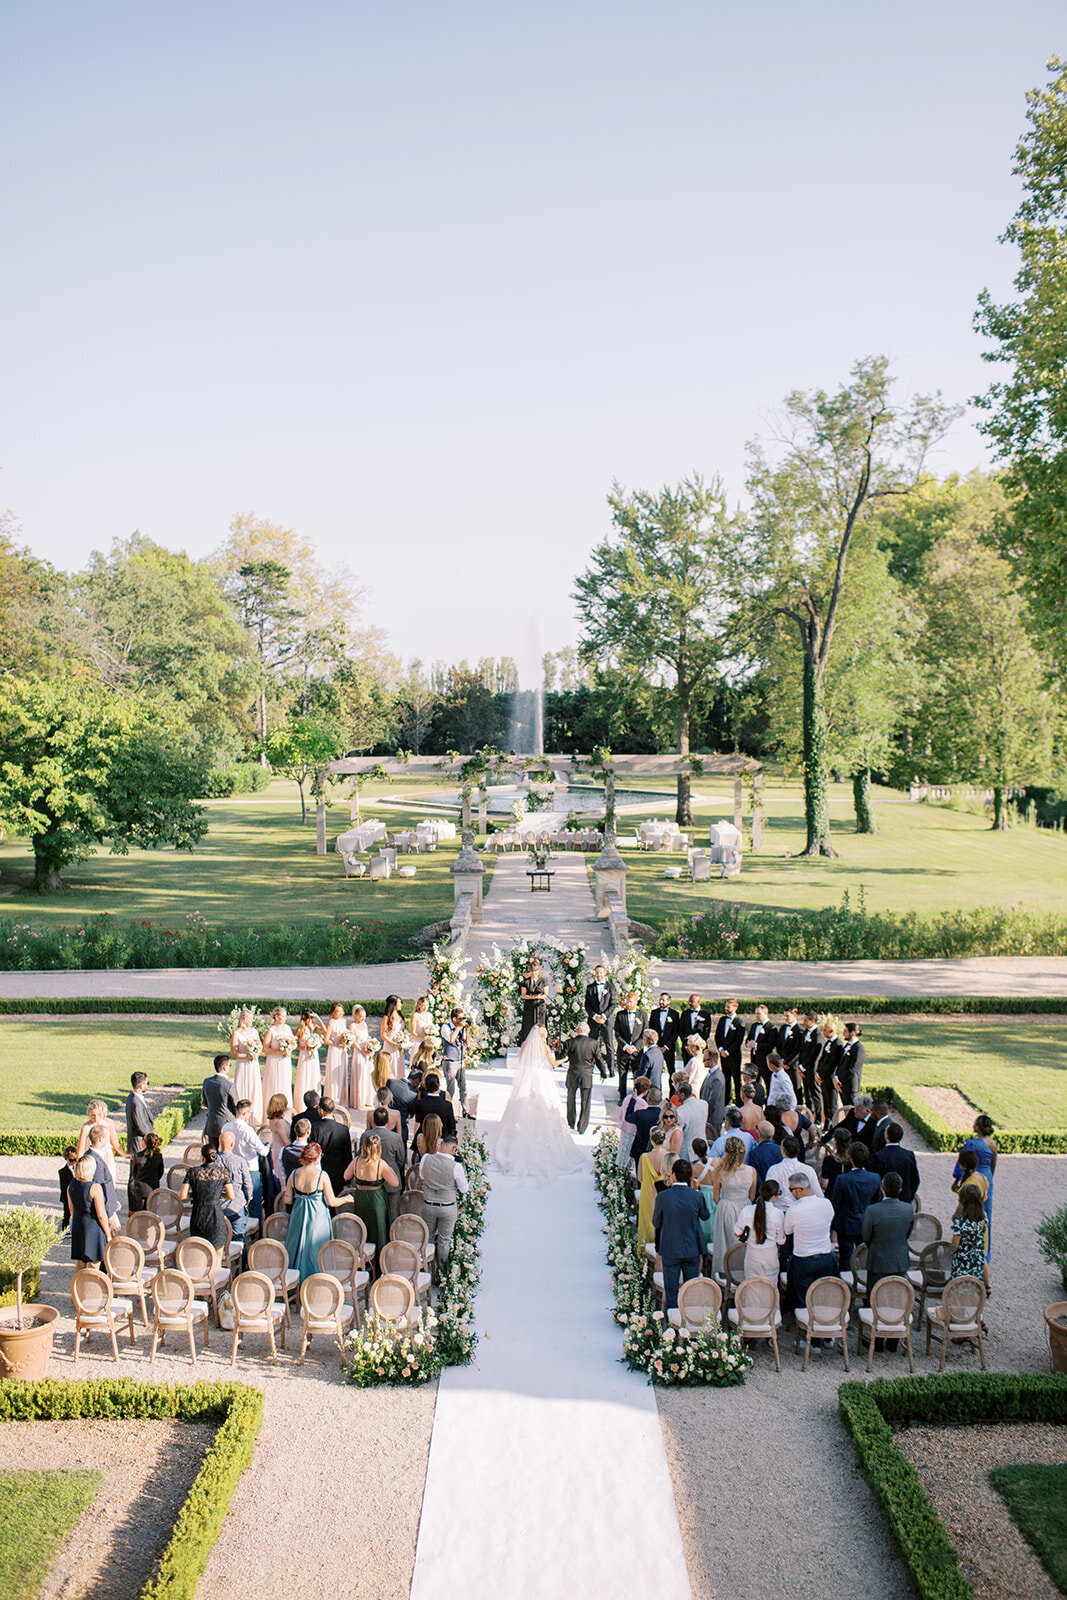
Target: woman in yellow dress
<point x="651" y="1168"/>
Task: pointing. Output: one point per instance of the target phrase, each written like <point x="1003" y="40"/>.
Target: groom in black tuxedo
<point x="600" y="1010"/>
<point x="629" y="1040"/>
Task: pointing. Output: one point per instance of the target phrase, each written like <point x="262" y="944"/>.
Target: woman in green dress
<point x="371" y="1178"/>
<point x="310" y="1195"/>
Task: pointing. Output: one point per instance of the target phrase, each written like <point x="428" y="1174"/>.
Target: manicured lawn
<point x="37" y="1511"/>
<point x="256" y="864"/>
<point x="1036" y="1496"/>
<point x="51" y="1066"/>
<point x="923" y="859"/>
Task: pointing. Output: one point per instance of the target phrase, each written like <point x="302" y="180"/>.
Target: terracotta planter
<point x="26" y="1352"/>
<point x="1057" y="1334"/>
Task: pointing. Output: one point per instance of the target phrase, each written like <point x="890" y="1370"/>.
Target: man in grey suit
<point x="713" y="1093"/>
<point x="138" y="1117"/>
<point x="220" y="1099"/>
<point x="580" y="1052"/>
<point x="886" y="1226"/>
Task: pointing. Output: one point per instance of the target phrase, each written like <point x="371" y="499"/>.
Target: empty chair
<point x="824" y="1315"/>
<point x="888" y="1316"/>
<point x="167" y="1206"/>
<point x="379" y="868"/>
<point x="733" y="1271"/>
<point x="176" y="1307"/>
<point x="392" y="1299"/>
<point x="926" y="1229"/>
<point x="175" y="1178"/>
<point x="701" y="870"/>
<point x="341" y="1260"/>
<point x="276" y="1226"/>
<point x="403" y="1259"/>
<point x="193" y="1154"/>
<point x="124" y="1265"/>
<point x="410" y="1204"/>
<point x="354" y="1231"/>
<point x="95" y="1307"/>
<point x="199" y="1260"/>
<point x="755" y="1313"/>
<point x="270" y="1257"/>
<point x="413" y="1230"/>
<point x="856" y="1276"/>
<point x="256" y="1310"/>
<point x="935" y="1270"/>
<point x="151" y="1234"/>
<point x="659" y="1291"/>
<point x="699" y="1305"/>
<point x="958" y="1318"/>
<point x="324" y="1309"/>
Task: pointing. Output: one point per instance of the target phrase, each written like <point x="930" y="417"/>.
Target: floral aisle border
<point x="714" y="1358"/>
<point x="447" y="974"/>
<point x="496" y="991"/>
<point x="383" y="1354"/>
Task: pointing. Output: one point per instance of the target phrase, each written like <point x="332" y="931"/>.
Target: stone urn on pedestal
<point x="26" y="1331"/>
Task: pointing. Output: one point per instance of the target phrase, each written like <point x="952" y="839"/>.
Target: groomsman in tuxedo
<point x="851" y="1074"/>
<point x="600" y="1010"/>
<point x="665" y="1022"/>
<point x="809" y="1054"/>
<point x="790" y="1042"/>
<point x="694" y="1020"/>
<point x="629" y="1031"/>
<point x="761" y="1039"/>
<point x="827" y="1070"/>
<point x="729" y="1037"/>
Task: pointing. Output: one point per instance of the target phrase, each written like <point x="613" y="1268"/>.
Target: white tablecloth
<point x="360" y="838"/>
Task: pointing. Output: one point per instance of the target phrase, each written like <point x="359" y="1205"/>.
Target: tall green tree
<point x="1026" y="410"/>
<point x="651" y="598"/>
<point x="81" y="766"/>
<point x="301" y="750"/>
<point x="157" y="627"/>
<point x="259" y="591"/>
<point x="35" y="625"/>
<point x="834" y="457"/>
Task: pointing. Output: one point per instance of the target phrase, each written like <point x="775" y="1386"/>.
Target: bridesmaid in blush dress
<point x="361" y="1093"/>
<point x="308" y="1071"/>
<point x="337" y="1055"/>
<point x="390" y="1062"/>
<point x="278" y="1044"/>
<point x="246" y="1047"/>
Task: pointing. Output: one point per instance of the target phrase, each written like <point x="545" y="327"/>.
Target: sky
<point x="421" y="279"/>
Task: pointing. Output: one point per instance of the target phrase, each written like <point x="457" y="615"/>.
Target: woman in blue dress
<point x="89" y="1227"/>
<point x="309" y="1193"/>
<point x="984" y="1147"/>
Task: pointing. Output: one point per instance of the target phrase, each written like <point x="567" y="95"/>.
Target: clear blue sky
<point x="420" y="279"/>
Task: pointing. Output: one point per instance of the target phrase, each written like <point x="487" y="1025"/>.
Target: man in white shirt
<point x="808" y="1222"/>
<point x="783" y="1170"/>
<point x="250" y="1147"/>
<point x="780" y="1086"/>
<point x="692" y="1118"/>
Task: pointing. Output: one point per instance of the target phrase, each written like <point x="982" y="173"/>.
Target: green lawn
<point x="37" y="1512"/>
<point x="51" y="1066"/>
<point x="924" y="859"/>
<point x="1036" y="1496"/>
<point x="256" y="864"/>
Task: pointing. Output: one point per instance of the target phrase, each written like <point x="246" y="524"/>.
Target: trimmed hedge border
<point x="148" y="1006"/>
<point x="168" y="1124"/>
<point x="937" y="1133"/>
<point x="237" y="1407"/>
<point x="868" y="1409"/>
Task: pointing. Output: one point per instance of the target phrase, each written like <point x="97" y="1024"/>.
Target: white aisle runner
<point x="547" y="1476"/>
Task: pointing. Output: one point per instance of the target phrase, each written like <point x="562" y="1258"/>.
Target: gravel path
<point x="148" y="1469"/>
<point x="954" y="1465"/>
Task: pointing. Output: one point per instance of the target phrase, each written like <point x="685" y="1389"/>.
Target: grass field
<point x="51" y="1066"/>
<point x="256" y="864"/>
<point x="37" y="1511"/>
<point x="1036" y="1496"/>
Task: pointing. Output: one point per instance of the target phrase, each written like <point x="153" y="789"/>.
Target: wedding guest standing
<point x="336" y="1085"/>
<point x="246" y="1047"/>
<point x="733" y="1186"/>
<point x="146" y="1172"/>
<point x="534" y="1007"/>
<point x="90" y="1229"/>
<point x="652" y="1059"/>
<point x="729" y="1037"/>
<point x="138" y="1117"/>
<point x="361" y="1088"/>
<point x="279" y="1122"/>
<point x="600" y="1014"/>
<point x="761" y="1228"/>
<point x="373" y="1179"/>
<point x="310" y="1031"/>
<point x="248" y="1144"/>
<point x="443" y="1181"/>
<point x="219" y="1098"/>
<point x="676" y="1220"/>
<point x="984" y="1147"/>
<point x="279" y="1042"/>
<point x="209" y="1188"/>
<point x="334" y="1142"/>
<point x="107" y="1148"/>
<point x="309" y="1194"/>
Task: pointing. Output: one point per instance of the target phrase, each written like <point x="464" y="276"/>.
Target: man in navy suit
<point x="893" y="1157"/>
<point x="677" y="1216"/>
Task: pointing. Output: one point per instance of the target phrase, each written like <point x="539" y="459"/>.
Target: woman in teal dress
<point x="309" y="1193"/>
<point x="371" y="1178"/>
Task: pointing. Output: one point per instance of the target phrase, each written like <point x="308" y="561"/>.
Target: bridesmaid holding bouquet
<point x="337" y="1042"/>
<point x="279" y="1043"/>
<point x="308" y="1071"/>
<point x="246" y="1047"/>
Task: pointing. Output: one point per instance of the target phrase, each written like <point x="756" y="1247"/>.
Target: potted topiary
<point x="1052" y="1242"/>
<point x="26" y="1236"/>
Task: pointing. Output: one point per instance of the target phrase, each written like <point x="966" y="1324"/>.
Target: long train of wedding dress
<point x="532" y="1139"/>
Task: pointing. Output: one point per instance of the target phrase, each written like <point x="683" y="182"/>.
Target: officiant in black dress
<point x="534" y="1005"/>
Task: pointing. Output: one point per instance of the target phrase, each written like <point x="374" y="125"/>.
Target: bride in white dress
<point x="532" y="1139"/>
